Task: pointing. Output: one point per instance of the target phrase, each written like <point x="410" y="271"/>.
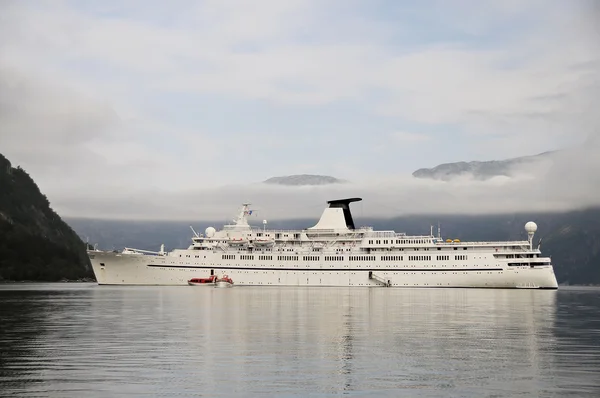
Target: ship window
<point x="102" y="264"/>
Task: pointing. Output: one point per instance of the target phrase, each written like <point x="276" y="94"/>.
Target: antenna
<point x="264" y="225"/>
<point x="439" y="231"/>
<point x="244" y="212"/>
<point x="431" y="230"/>
<point x="195" y="233"/>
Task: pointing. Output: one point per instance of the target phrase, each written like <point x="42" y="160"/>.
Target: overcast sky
<point x="154" y="109"/>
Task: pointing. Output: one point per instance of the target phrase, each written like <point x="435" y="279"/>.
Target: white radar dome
<point x="210" y="232"/>
<point x="531" y="227"/>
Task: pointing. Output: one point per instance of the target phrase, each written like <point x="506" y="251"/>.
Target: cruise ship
<point x="331" y="253"/>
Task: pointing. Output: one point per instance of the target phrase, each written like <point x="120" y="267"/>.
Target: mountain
<point x="479" y="170"/>
<point x="35" y="243"/>
<point x="304" y="179"/>
<point x="572" y="239"/>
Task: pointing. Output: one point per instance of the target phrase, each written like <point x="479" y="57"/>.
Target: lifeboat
<point x="203" y="281"/>
<point x="456" y="240"/>
<point x="224" y="281"/>
<point x="238" y="241"/>
<point x="264" y="242"/>
<point x="131" y="251"/>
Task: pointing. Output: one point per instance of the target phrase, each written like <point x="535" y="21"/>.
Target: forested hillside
<point x="35" y="244"/>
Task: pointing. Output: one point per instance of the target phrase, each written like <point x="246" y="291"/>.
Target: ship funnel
<point x="337" y="215"/>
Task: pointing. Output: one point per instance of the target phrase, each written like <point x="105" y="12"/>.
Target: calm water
<point x="74" y="340"/>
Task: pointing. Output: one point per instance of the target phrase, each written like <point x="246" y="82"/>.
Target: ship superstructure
<point x="334" y="252"/>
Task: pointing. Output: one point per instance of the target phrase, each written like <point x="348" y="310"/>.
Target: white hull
<point x="126" y="269"/>
<point x="332" y="253"/>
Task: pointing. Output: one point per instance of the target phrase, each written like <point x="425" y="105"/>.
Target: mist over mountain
<point x="481" y="170"/>
<point x="547" y="167"/>
<point x="559" y="181"/>
<point x="304" y="179"/>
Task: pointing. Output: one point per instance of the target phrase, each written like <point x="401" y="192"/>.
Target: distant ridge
<point x="304" y="179"/>
<point x="479" y="170"/>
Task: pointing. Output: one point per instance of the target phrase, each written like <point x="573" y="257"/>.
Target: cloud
<point x="46" y="124"/>
<point x="406" y="137"/>
<point x="559" y="182"/>
<point x="112" y="104"/>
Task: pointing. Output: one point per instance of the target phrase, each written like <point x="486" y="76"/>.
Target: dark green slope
<point x="574" y="244"/>
<point x="35" y="244"/>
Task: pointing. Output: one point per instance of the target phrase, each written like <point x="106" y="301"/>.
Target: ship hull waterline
<point x="333" y="252"/>
<point x="123" y="269"/>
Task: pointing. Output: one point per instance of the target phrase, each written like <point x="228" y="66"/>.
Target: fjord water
<point x="72" y="340"/>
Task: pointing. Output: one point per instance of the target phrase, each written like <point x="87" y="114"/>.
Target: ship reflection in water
<point x="89" y="340"/>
